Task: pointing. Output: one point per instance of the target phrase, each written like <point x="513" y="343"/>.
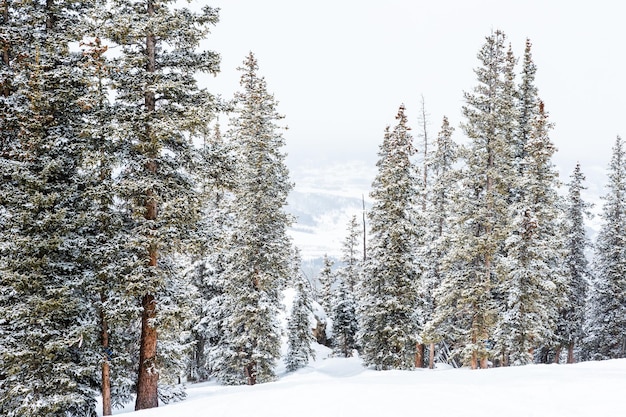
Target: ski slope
<point x="338" y="387"/>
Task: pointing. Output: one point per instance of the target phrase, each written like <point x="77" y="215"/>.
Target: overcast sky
<point x="341" y="68"/>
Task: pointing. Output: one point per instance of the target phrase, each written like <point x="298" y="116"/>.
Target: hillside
<point x="342" y="387"/>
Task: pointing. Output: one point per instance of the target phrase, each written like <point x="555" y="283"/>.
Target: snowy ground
<point x="335" y="387"/>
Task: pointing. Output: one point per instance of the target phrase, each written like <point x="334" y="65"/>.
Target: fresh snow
<point x="334" y="387"/>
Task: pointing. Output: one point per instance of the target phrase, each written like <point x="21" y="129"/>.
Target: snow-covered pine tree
<point x="438" y="215"/>
<point x="326" y="279"/>
<point x="104" y="256"/>
<point x="481" y="223"/>
<point x="344" y="316"/>
<point x="606" y="327"/>
<point x="159" y="110"/>
<point x="528" y="106"/>
<point x="351" y="256"/>
<point x="299" y="330"/>
<point x="47" y="343"/>
<point x="388" y="327"/>
<point x="258" y="263"/>
<point x="343" y="308"/>
<point x="533" y="267"/>
<point x="217" y="175"/>
<point x="570" y="327"/>
<point x="532" y="274"/>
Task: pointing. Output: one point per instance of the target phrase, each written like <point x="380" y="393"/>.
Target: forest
<point x="143" y="246"/>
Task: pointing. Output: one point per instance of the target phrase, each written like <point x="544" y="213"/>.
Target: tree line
<point x="141" y="246"/>
<point x="474" y="258"/>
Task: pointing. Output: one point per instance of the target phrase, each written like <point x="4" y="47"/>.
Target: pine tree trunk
<point x="147" y="381"/>
<point x="557" y="355"/>
<point x="484" y="362"/>
<point x="106" y="371"/>
<point x="570" y="353"/>
<point x="419" y="356"/>
<point x="148" y="376"/>
<point x="431" y="356"/>
<point x="250" y="373"/>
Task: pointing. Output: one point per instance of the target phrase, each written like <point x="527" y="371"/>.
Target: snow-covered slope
<point x="334" y="387"/>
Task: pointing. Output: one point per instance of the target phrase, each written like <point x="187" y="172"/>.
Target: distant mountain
<point x="322" y="221"/>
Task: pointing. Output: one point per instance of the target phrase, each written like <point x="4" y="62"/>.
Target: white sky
<point x="341" y="68"/>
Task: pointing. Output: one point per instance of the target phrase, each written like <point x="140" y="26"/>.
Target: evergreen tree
<point x="258" y="265"/>
<point x="528" y="105"/>
<point x="326" y="279"/>
<point x="350" y="257"/>
<point x="217" y="175"/>
<point x="481" y="223"/>
<point x="345" y="325"/>
<point x="570" y="329"/>
<point x="47" y="343"/>
<point x="533" y="276"/>
<point x="526" y="315"/>
<point x="300" y="335"/>
<point x="103" y="250"/>
<point x="159" y="108"/>
<point x="388" y="332"/>
<point x="607" y="323"/>
<point x="438" y="215"/>
<point x="343" y="305"/>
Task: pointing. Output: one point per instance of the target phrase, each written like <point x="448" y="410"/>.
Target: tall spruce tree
<point x="528" y="105"/>
<point x="532" y="268"/>
<point x="570" y="328"/>
<point x="47" y="343"/>
<point x="438" y="215"/>
<point x="532" y="273"/>
<point x="160" y="109"/>
<point x="481" y="223"/>
<point x="350" y="256"/>
<point x="217" y="175"/>
<point x="300" y="333"/>
<point x="344" y="308"/>
<point x="104" y="257"/>
<point x="606" y="327"/>
<point x="326" y="278"/>
<point x="388" y="330"/>
<point x="345" y="324"/>
<point x="258" y="265"/>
